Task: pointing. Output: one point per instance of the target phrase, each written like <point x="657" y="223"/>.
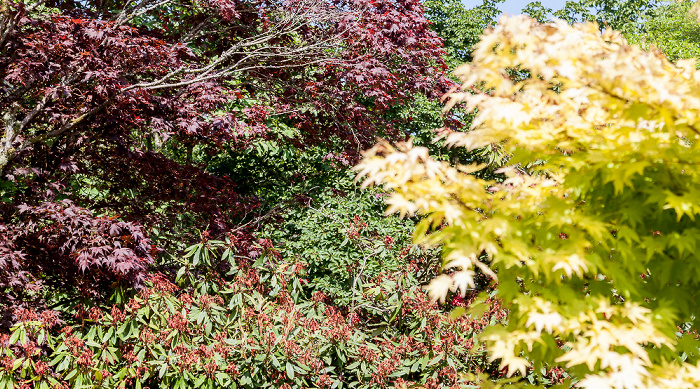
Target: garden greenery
<point x="338" y="306"/>
<point x="177" y="206"/>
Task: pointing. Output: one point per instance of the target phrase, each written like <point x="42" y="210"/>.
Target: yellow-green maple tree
<point x="592" y="236"/>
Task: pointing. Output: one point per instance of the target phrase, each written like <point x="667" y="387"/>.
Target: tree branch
<point x="248" y="54"/>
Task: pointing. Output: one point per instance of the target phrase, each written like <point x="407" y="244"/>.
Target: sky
<point x="514" y="7"/>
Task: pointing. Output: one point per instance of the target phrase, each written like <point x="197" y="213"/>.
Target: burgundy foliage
<point x="101" y="111"/>
<point x="389" y="55"/>
<point x="61" y="246"/>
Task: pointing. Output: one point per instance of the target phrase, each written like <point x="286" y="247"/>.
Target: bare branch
<point x="255" y="52"/>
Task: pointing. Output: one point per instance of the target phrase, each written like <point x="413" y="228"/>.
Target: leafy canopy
<point x="674" y="30"/>
<point x="627" y="16"/>
<point x="592" y="234"/>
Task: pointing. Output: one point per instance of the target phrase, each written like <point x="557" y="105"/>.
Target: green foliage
<point x="537" y="11"/>
<point x="459" y="26"/>
<point x="627" y="16"/>
<point x="345" y="242"/>
<point x="673" y="30"/>
<point x="275" y="170"/>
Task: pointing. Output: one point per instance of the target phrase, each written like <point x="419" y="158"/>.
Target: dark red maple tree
<point x="103" y="103"/>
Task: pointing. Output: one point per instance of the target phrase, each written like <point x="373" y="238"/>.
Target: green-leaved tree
<point x="592" y="236"/>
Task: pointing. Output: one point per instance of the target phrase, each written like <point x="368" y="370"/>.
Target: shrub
<point x="245" y="313"/>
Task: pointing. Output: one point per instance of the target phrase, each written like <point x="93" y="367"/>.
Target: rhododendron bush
<point x="277" y="321"/>
<point x="592" y="233"/>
